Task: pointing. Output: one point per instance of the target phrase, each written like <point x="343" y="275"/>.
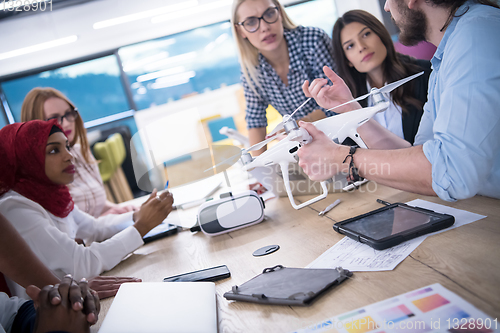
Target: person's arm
<point x="22" y="266"/>
<point x="405" y="169"/>
<point x="18" y="262"/>
<point x="328" y="96"/>
<point x="256" y="135"/>
<point x="112" y="208"/>
<point x="57" y="250"/>
<point x="319" y="56"/>
<point x="255" y="116"/>
<point x="464" y="98"/>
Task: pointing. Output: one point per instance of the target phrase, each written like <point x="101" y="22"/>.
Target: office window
<point x="179" y="65"/>
<point x="316" y="13"/>
<point x="93" y="86"/>
<point x="199" y="60"/>
<point x="3" y="119"/>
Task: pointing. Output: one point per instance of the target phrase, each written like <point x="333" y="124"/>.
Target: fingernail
<point x="92" y="318"/>
<point x="67" y="275"/>
<point x="83" y="280"/>
<point x="56" y="300"/>
<point x="78" y="305"/>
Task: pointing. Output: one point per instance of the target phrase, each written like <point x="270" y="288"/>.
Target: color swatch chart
<point x="429" y="309"/>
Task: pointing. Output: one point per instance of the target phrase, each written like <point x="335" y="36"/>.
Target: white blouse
<point x="109" y="238"/>
<point x="8" y="311"/>
<point x="392" y="118"/>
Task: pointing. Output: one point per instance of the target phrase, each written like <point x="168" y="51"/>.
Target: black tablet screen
<point x="389" y="222"/>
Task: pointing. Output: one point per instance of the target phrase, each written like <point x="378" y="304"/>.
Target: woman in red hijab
<point x="36" y="167"/>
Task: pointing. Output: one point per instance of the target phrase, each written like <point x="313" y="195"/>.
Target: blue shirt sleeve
<point x="255" y="112"/>
<point x="320" y="55"/>
<point x="464" y="113"/>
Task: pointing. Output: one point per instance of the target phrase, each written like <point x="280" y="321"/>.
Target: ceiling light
<point x="145" y="14"/>
<point x="170" y="60"/>
<point x="173" y="80"/>
<point x="165" y="72"/>
<point x="38" y="47"/>
<point x="200" y="8"/>
<point x="130" y="66"/>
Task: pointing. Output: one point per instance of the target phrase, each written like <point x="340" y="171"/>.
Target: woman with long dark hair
<point x="366" y="58"/>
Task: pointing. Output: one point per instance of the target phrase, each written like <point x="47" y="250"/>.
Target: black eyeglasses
<point x="252" y="23"/>
<point x="69" y="116"/>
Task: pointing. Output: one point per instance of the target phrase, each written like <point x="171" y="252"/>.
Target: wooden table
<point x="465" y="260"/>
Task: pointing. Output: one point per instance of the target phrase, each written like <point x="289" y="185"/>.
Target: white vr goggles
<point x="229" y="213"/>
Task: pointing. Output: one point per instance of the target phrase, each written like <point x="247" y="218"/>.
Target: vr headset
<point x="229" y="213"/>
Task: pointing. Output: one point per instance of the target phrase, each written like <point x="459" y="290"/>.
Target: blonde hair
<point x="32" y="109"/>
<point x="249" y="54"/>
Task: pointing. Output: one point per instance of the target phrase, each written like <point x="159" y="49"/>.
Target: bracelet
<point x="353" y="171"/>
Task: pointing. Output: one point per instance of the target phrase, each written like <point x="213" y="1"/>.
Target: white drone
<point x="337" y="128"/>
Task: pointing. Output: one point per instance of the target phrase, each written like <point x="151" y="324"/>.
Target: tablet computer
<point x="392" y="225"/>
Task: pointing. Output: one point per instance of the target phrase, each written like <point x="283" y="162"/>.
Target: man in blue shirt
<point x="456" y="154"/>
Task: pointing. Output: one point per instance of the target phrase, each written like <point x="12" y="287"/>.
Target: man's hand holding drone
<point x="322" y="158"/>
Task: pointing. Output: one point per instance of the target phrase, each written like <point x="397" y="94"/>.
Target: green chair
<point x="117" y="146"/>
<point x="111" y="154"/>
<point x="107" y="163"/>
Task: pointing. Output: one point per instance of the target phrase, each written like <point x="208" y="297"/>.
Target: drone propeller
<point x="385" y="89"/>
<point x="286" y="117"/>
<point x="256" y="146"/>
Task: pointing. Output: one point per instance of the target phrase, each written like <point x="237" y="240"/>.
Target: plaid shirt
<point x="87" y="189"/>
<point x="309" y="49"/>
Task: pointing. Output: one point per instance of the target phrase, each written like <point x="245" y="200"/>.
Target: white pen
<point x="329" y="208"/>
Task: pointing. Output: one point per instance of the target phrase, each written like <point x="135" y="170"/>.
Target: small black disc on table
<point x="266" y="250"/>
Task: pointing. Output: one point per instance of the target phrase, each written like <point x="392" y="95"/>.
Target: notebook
<point x="196" y="191"/>
<point x="163" y="307"/>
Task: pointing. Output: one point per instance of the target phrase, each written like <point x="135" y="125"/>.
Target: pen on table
<point x="383" y="202"/>
<point x="329" y="208"/>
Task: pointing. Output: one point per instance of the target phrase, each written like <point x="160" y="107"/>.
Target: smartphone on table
<point x="208" y="274"/>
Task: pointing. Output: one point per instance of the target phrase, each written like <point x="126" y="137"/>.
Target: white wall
<point x="372" y="6"/>
<point x="164" y="127"/>
<point x="78" y="20"/>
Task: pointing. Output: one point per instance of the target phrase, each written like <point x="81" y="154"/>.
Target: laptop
<point x="163" y="307"/>
<point x="271" y="178"/>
